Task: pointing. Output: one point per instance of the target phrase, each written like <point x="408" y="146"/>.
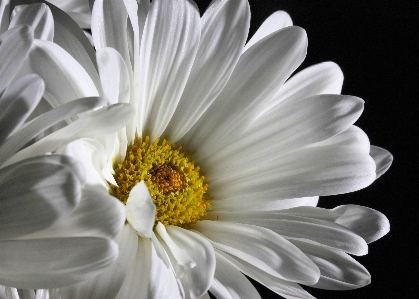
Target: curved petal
<point x="153" y="267"/>
<point x="17" y="103"/>
<point x="278" y="20"/>
<point x="14" y="48"/>
<point x="268" y="251"/>
<point x="37" y="192"/>
<point x="306" y="227"/>
<point x="289" y="290"/>
<point x="45" y="121"/>
<point x="353" y="137"/>
<point x="326" y="170"/>
<point x="322" y="78"/>
<point x="338" y="271"/>
<point x="4" y="15"/>
<point x="265" y="205"/>
<point x="113" y="75"/>
<point x="366" y="222"/>
<point x="382" y="158"/>
<point x="107" y="284"/>
<point x="65" y="79"/>
<point x="106" y="120"/>
<point x="225" y="25"/>
<point x="259" y="73"/>
<point x="285" y="128"/>
<point x="196" y="280"/>
<point x="97" y="215"/>
<point x="229" y="283"/>
<point x="141" y="210"/>
<point x="38" y="16"/>
<point x="49" y="263"/>
<point x="168" y="48"/>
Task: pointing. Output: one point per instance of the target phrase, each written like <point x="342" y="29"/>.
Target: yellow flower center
<point x="175" y="183"/>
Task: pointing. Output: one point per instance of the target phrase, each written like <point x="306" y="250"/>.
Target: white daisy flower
<point x="257" y="150"/>
<point x="53" y="230"/>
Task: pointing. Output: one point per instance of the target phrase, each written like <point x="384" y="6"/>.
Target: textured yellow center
<point x="176" y="184"/>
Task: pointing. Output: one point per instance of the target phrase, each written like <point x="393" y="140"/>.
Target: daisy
<point x="221" y="168"/>
<point x="50" y="232"/>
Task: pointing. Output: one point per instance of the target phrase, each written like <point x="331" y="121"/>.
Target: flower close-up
<point x="221" y="167"/>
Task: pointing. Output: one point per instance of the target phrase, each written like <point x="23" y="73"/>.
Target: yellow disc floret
<point x="175" y="183"/>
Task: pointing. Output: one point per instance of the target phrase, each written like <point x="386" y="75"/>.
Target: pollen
<point x="176" y="184"/>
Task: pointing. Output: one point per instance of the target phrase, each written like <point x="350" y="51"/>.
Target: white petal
<point x="4" y="15"/>
<point x="97" y="215"/>
<point x="289" y="290"/>
<point x="366" y="222"/>
<point x="57" y="262"/>
<point x="65" y="79"/>
<point x="267" y="250"/>
<point x="338" y="271"/>
<point x="38" y="16"/>
<point x="229" y="283"/>
<point x="35" y="193"/>
<point x="109" y="27"/>
<point x="322" y="78"/>
<point x="304" y="227"/>
<point x="168" y="48"/>
<point x="278" y="20"/>
<point x="69" y="36"/>
<point x="26" y="294"/>
<point x="141" y="210"/>
<point x="312" y="171"/>
<point x="225" y="25"/>
<point x="353" y="137"/>
<point x="265" y="205"/>
<point x="14" y="47"/>
<point x="91" y="154"/>
<point x="151" y="268"/>
<point x="114" y="75"/>
<point x="382" y="158"/>
<point x="285" y="128"/>
<point x="259" y="73"/>
<point x="107" y="284"/>
<point x="101" y="122"/>
<point x="196" y="280"/>
<point x="45" y="121"/>
<point x="17" y="103"/>
<point x="42" y="294"/>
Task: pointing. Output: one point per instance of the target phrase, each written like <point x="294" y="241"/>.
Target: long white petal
<point x="305" y="227"/>
<point x="338" y="271"/>
<point x="17" y="103"/>
<point x="327" y="170"/>
<point x="229" y="283"/>
<point x="14" y="47"/>
<point x="259" y="73"/>
<point x="168" y="48"/>
<point x="45" y="121"/>
<point x="107" y="284"/>
<point x="285" y="128"/>
<point x="276" y="21"/>
<point x="225" y="25"/>
<point x="366" y="222"/>
<point x="38" y="16"/>
<point x="37" y="192"/>
<point x="56" y="262"/>
<point x="268" y="251"/>
<point x="286" y="289"/>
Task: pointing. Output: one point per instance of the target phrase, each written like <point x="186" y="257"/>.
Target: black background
<point x="375" y="44"/>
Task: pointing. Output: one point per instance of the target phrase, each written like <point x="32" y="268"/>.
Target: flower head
<point x="221" y="167"/>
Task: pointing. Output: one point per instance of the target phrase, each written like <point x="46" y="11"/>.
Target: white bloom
<point x="269" y="145"/>
<point x="53" y="230"/>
